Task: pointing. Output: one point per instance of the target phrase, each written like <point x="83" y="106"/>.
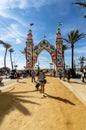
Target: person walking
<point x="54" y="73"/>
<point x="17" y="76"/>
<point x="64" y="74"/>
<point x="41" y="79"/>
<point x="60" y="74"/>
<point x="68" y="75"/>
<point x="33" y="74"/>
<point x="83" y="76"/>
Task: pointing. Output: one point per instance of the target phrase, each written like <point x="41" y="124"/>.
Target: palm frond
<point x="1" y="42"/>
<point x="80" y="3"/>
<point x="6" y="45"/>
<point x="11" y="50"/>
<point x="65" y="40"/>
<point x="85" y="16"/>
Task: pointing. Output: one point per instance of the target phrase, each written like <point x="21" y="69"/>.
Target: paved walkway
<point x="7" y="83"/>
<point x="77" y="87"/>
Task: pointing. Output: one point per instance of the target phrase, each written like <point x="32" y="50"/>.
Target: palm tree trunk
<point x="5" y="58"/>
<point x="73" y="71"/>
<point x="63" y="59"/>
<point x="72" y="46"/>
<point x="64" y="63"/>
<point x="11" y="60"/>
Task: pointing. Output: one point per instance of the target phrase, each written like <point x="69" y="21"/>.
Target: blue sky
<point x="16" y="15"/>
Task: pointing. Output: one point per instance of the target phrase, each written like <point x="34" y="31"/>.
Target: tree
<point x="73" y="37"/>
<point x="6" y="46"/>
<point x="1" y="42"/>
<point x="83" y="4"/>
<point x="11" y="51"/>
<point x="81" y="61"/>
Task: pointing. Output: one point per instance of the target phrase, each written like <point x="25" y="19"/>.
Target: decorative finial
<point x="30" y="30"/>
<point x="59" y="24"/>
<point x="44" y="36"/>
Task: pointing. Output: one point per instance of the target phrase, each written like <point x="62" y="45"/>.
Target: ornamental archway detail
<point x="45" y="45"/>
<point x="32" y="52"/>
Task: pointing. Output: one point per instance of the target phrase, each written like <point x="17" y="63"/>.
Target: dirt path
<point x="24" y="108"/>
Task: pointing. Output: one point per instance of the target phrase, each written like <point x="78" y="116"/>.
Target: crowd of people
<point x="65" y="74"/>
<point x="83" y="75"/>
<point x="39" y="78"/>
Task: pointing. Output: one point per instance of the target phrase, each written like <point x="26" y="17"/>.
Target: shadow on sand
<point x="22" y="82"/>
<point x="60" y="99"/>
<point x="9" y="101"/>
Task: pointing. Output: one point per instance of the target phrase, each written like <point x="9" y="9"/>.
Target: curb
<point x="80" y="95"/>
<point x="7" y="86"/>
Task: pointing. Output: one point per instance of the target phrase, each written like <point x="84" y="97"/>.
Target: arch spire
<point x="59" y="44"/>
<point x="29" y="49"/>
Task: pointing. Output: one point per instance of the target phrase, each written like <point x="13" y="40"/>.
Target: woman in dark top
<point x="41" y="79"/>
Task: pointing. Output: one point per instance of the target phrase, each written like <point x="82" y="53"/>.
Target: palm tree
<point x="81" y="61"/>
<point x="1" y="42"/>
<point x="73" y="37"/>
<point x="6" y="46"/>
<point x="83" y="4"/>
<point x="11" y="51"/>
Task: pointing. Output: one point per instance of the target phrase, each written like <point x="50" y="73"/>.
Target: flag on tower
<point x="31" y="24"/>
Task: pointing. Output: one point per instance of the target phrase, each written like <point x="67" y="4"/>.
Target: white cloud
<point x="8" y="4"/>
<point x="80" y="51"/>
<point x="1" y="48"/>
<point x="12" y="32"/>
<point x="6" y="13"/>
<point x="1" y="59"/>
<point x="7" y="7"/>
<point x="3" y="4"/>
<point x="40" y="3"/>
<point x="8" y="64"/>
<point x="18" y="40"/>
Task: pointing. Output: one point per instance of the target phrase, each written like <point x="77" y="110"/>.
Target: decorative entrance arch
<point x="45" y="45"/>
<point x="32" y="51"/>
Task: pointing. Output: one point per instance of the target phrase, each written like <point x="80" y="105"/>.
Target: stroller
<point x="37" y="86"/>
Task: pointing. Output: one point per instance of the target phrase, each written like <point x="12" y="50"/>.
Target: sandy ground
<point x="24" y="108"/>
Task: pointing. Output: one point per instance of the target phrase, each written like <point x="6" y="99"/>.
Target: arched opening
<point x="44" y="60"/>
